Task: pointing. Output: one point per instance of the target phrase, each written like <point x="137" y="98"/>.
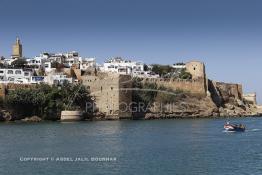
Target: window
<point x="26" y="73"/>
<point x="1" y="72"/>
<point x="11" y="79"/>
<point x="101" y="88"/>
<point x="112" y="88"/>
<point x="10" y="72"/>
<point x="18" y="72"/>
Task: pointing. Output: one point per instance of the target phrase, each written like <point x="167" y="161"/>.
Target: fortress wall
<point x="2" y="91"/>
<point x="225" y="91"/>
<point x="110" y="96"/>
<point x="67" y="71"/>
<point x="77" y="73"/>
<point x="195" y="86"/>
<point x="125" y="96"/>
<point x="240" y="91"/>
<point x="11" y="86"/>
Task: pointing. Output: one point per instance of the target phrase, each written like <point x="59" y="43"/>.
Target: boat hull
<point x="235" y="128"/>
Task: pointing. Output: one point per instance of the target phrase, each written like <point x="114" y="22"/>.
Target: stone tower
<point x="111" y="94"/>
<point x="17" y="49"/>
<point x="197" y="69"/>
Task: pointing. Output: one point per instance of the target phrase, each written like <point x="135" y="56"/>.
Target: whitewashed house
<point x="71" y="58"/>
<point x="8" y="61"/>
<point x="37" y="61"/>
<point x="18" y="76"/>
<point x="179" y="66"/>
<point x="121" y="66"/>
<point x="86" y="63"/>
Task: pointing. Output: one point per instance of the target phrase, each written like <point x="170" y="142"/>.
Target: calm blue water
<point x="189" y="146"/>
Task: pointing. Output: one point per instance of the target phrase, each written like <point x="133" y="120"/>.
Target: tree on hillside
<point x="146" y="67"/>
<point x="185" y="75"/>
<point x="161" y="69"/>
<point x="2" y="65"/>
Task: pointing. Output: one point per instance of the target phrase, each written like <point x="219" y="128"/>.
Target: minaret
<point x="17" y="49"/>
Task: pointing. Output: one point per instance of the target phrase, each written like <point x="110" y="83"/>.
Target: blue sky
<point x="225" y="34"/>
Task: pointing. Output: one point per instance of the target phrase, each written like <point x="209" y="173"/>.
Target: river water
<point x="161" y="147"/>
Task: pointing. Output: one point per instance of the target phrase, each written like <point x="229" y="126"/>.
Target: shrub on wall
<point x="185" y="75"/>
<point x="162" y="69"/>
<point x="149" y="92"/>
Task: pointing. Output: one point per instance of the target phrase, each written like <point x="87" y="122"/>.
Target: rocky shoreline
<point x="184" y="108"/>
<point x="152" y="116"/>
<point x="6" y="117"/>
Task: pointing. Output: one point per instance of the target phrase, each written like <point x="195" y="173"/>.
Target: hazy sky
<point x="225" y="34"/>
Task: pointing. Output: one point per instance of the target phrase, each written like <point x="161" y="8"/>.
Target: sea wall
<point x="71" y="115"/>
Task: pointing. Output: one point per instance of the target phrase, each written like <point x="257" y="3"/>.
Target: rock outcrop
<point x="32" y="119"/>
<point x="184" y="106"/>
<point x="5" y="115"/>
<point x="224" y="100"/>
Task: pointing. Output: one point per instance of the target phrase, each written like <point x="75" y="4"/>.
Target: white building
<point x="18" y="76"/>
<point x="68" y="59"/>
<point x="121" y="66"/>
<point x="48" y="66"/>
<point x="8" y="61"/>
<point x="61" y="79"/>
<point x="57" y="78"/>
<point x="56" y="57"/>
<point x="71" y="58"/>
<point x="86" y="63"/>
<point x="37" y="61"/>
<point x="179" y="66"/>
<point x="145" y="74"/>
<point x="38" y="79"/>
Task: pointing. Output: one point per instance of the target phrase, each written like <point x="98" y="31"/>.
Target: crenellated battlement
<point x="194" y="86"/>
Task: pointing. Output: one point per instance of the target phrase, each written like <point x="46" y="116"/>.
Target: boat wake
<point x="248" y="130"/>
<point x="228" y="131"/>
<point x="253" y="130"/>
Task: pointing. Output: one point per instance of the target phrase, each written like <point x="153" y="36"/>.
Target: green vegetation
<point x="145" y="94"/>
<point x="146" y="68"/>
<point x="185" y="75"/>
<point x="167" y="71"/>
<point x="45" y="101"/>
<point x="162" y="69"/>
<point x="2" y="65"/>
